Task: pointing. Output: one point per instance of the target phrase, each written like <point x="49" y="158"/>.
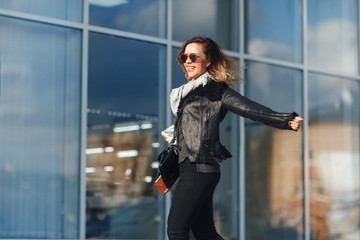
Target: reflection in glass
<point x="334" y="158"/>
<point x="273" y="29"/>
<point x="40" y="130"/>
<point x="123" y="137"/>
<point x="226" y="209"/>
<point x="63" y="9"/>
<point x="333" y="35"/>
<point x="138" y="16"/>
<point x="274" y="194"/>
<point x="217" y="19"/>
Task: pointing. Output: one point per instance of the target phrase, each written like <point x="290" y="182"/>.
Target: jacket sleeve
<point x="240" y="105"/>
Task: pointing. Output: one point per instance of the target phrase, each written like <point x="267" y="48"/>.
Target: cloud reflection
<point x="332" y="45"/>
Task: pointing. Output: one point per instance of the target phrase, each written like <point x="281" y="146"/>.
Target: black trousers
<point x="192" y="205"/>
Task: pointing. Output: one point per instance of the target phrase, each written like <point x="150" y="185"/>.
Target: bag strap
<point x="175" y="130"/>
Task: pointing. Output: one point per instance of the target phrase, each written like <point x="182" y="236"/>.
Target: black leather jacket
<point x="205" y="107"/>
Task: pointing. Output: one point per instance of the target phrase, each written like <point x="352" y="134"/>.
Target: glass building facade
<point x="84" y="89"/>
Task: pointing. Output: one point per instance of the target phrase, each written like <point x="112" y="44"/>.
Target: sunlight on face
<point x="199" y="66"/>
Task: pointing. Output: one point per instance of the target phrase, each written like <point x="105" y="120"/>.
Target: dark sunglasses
<point x="192" y="56"/>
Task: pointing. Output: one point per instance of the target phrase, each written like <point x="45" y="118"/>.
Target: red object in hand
<point x="159" y="183"/>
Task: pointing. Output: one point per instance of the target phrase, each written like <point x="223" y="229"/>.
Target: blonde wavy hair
<point x="223" y="68"/>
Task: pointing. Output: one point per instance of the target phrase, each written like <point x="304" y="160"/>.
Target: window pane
<point x="226" y="202"/>
<point x="63" y="9"/>
<point x="273" y="29"/>
<point x="274" y="194"/>
<point x="138" y="16"/>
<point x="333" y="35"/>
<point x="217" y="19"/>
<point x="40" y="130"/>
<point x="334" y="157"/>
<point x="124" y="94"/>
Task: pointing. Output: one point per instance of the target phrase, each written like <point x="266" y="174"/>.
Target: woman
<point x="198" y="107"/>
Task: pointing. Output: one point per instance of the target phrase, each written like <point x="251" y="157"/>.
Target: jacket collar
<point x="211" y="91"/>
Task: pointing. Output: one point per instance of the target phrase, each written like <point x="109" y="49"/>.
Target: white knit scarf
<point x="179" y="93"/>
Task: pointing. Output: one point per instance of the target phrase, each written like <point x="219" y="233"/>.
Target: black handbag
<point x="169" y="161"/>
<point x="168" y="165"/>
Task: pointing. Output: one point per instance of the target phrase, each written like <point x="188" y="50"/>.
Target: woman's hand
<point x="294" y="124"/>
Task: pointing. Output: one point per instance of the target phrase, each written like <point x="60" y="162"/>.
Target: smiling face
<point x="198" y="67"/>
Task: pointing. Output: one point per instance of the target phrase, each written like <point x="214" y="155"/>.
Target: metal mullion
<point x="242" y="27"/>
<point x="358" y="41"/>
<point x="232" y="54"/>
<point x="334" y="74"/>
<point x="162" y="18"/>
<point x="241" y="175"/>
<point x="168" y="89"/>
<point x="49" y="238"/>
<point x="358" y="34"/>
<point x="168" y="117"/>
<point x="130" y="35"/>
<point x="69" y="24"/>
<point x="176" y="43"/>
<point x="306" y="127"/>
<point x="40" y="19"/>
<point x="169" y="45"/>
<point x="227" y="52"/>
<point x="84" y="100"/>
<point x="276" y="62"/>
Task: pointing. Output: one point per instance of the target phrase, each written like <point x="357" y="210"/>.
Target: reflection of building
<point x="117" y="163"/>
<point x="333" y="174"/>
<point x="118" y="173"/>
<point x="72" y="71"/>
<point x="276" y="183"/>
<point x="334" y="180"/>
